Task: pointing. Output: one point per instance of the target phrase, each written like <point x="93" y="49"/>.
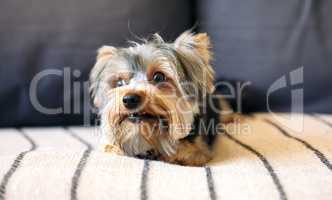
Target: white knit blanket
<point x="267" y="161"/>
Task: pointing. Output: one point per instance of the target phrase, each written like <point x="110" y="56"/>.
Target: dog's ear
<point x="106" y="51"/>
<point x="103" y="55"/>
<point x="194" y="53"/>
<point x="199" y="43"/>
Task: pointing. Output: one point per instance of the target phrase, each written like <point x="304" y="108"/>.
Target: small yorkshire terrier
<point x="156" y="99"/>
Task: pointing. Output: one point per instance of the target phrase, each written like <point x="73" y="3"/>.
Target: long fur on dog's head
<point x="171" y="103"/>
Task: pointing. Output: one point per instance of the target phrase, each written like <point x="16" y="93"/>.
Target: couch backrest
<point x="262" y="41"/>
<point x="259" y="41"/>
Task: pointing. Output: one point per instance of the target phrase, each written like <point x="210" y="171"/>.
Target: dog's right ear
<point x="103" y="55"/>
<point x="193" y="51"/>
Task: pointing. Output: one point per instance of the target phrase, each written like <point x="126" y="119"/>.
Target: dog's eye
<point x="120" y="83"/>
<point x="158" y="77"/>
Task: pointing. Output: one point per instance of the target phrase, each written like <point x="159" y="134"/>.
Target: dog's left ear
<point x="103" y="55"/>
<point x="194" y="53"/>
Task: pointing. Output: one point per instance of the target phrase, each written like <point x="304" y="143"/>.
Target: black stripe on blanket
<point x="80" y="166"/>
<point x="210" y="183"/>
<point x="144" y="180"/>
<point x="319" y="118"/>
<point x="266" y="164"/>
<point x="16" y="164"/>
<point x="319" y="154"/>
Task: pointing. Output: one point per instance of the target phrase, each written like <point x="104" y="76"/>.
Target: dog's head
<point x="148" y="94"/>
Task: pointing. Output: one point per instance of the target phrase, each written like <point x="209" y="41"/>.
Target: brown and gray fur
<point x="176" y="105"/>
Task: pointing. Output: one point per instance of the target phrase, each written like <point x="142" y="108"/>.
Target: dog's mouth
<point x="138" y="117"/>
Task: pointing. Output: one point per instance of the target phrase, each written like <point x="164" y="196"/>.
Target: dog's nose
<point x="131" y="101"/>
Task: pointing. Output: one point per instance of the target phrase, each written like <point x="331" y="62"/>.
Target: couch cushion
<point x="260" y="158"/>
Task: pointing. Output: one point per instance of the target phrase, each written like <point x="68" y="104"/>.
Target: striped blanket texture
<point x="270" y="161"/>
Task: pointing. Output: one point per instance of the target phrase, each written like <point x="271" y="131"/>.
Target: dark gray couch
<point x="257" y="41"/>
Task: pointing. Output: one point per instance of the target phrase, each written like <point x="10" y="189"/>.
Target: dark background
<point x="257" y="41"/>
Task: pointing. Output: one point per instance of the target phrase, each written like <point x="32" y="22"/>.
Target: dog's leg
<point x="108" y="148"/>
<point x="191" y="153"/>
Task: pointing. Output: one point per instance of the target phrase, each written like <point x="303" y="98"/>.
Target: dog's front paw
<point x="108" y="148"/>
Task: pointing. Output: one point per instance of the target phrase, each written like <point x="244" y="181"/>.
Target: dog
<point x="156" y="99"/>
